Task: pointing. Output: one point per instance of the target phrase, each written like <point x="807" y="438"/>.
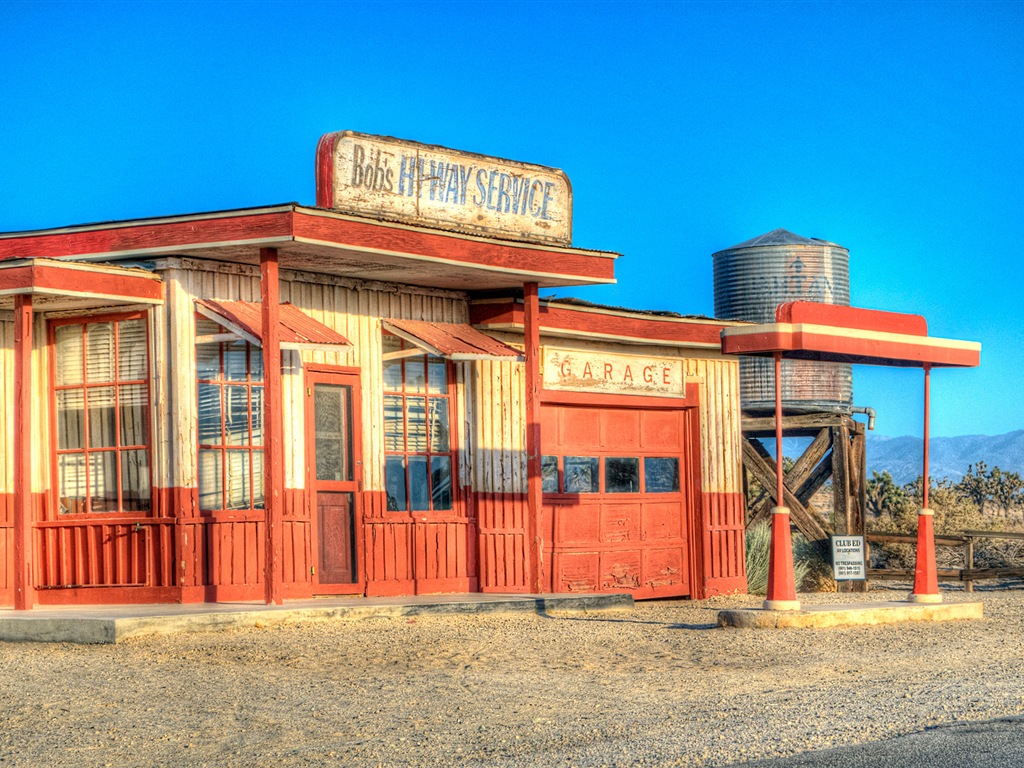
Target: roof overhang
<point x="323" y="241"/>
<point x="454" y="341"/>
<point x="600" y="323"/>
<point x="65" y="285"/>
<point x="297" y="330"/>
<point x="829" y="333"/>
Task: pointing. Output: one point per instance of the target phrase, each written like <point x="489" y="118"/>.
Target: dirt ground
<point x="658" y="685"/>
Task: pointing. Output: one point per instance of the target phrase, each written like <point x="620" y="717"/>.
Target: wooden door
<point x="335" y="477"/>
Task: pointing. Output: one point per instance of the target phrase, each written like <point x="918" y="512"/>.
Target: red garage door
<point x="616" y="500"/>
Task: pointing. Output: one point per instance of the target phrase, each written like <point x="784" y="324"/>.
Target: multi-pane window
<point x="101" y="397"/>
<point x="230" y="391"/>
<point x="621" y="474"/>
<point x="417" y="442"/>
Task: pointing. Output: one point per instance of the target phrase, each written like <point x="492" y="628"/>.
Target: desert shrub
<point x="819" y="576"/>
<point x="758" y="544"/>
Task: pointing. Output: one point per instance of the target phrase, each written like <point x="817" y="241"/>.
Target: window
<point x="417" y="442"/>
<point x="661" y="475"/>
<point x="230" y="392"/>
<point x="581" y="474"/>
<point x="622" y="474"/>
<point x="101" y="396"/>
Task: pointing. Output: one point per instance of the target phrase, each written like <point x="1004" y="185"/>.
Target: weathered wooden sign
<point x="595" y="371"/>
<point x="424" y="184"/>
<point x="848" y="558"/>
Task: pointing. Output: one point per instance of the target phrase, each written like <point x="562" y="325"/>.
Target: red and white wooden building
<point x="362" y="397"/>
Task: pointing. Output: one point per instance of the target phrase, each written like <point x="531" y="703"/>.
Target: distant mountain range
<point x="949" y="457"/>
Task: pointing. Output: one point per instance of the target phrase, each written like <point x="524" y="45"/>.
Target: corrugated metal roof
<point x="781" y="237"/>
<point x="572" y="301"/>
<point x="297" y="329"/>
<point x="456" y="341"/>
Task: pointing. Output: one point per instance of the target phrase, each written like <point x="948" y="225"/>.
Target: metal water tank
<point x="751" y="280"/>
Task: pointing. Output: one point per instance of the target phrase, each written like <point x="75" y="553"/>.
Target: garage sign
<point x="424" y="184"/>
<point x="602" y="372"/>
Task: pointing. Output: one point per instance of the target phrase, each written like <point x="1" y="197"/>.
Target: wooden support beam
<point x="841" y="480"/>
<point x="534" y="481"/>
<point x="24" y="588"/>
<point x="801" y="425"/>
<point x="273" y="457"/>
<point x="858" y="478"/>
<point x="807" y="521"/>
<point x="807" y="469"/>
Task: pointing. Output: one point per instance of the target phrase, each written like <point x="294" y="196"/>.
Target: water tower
<point x="751" y="280"/>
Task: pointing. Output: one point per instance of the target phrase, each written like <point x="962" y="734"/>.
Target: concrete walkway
<point x="849" y="614"/>
<point x="113" y="623"/>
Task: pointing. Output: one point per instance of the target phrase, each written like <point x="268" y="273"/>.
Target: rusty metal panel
<point x="296" y="327"/>
<point x="458" y="341"/>
<point x="425" y="184"/>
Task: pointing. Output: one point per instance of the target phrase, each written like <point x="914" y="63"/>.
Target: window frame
<point x="450" y="396"/>
<point x="52" y="324"/>
<point x="601" y="458"/>
<point x="224" y="448"/>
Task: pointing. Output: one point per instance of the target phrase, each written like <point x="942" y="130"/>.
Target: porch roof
<point x="325" y="241"/>
<point x="68" y="285"/>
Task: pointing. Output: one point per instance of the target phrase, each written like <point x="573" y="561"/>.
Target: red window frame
<point x="451" y="454"/>
<point x="224" y="447"/>
<point x="116" y="384"/>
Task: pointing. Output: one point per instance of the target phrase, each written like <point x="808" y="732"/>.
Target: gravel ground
<point x="656" y="686"/>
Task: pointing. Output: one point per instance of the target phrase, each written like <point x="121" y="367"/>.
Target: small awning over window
<point x="298" y="330"/>
<point x="454" y="341"/>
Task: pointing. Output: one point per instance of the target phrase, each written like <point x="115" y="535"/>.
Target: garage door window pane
<point x="661" y="475"/>
<point x="622" y="475"/>
<point x="581" y="474"/>
<point x="549" y="473"/>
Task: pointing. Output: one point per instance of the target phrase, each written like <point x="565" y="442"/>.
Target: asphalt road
<point x="992" y="744"/>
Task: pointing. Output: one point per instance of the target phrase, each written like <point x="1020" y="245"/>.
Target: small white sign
<point x="848" y="558"/>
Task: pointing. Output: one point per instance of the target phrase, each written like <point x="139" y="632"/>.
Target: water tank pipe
<point x="869" y="412"/>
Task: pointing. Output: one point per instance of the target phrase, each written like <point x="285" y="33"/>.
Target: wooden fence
<point x="968" y="574"/>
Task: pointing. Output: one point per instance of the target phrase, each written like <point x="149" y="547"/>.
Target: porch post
<point x="534" y="482"/>
<point x="781" y="593"/>
<point x="926" y="579"/>
<point x="24" y="589"/>
<point x="273" y="429"/>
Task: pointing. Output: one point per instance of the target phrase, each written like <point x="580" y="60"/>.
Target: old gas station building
<point x="362" y="397"/>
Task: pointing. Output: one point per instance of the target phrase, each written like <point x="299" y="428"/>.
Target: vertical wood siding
<point x="721" y="468"/>
<point x="496" y="470"/>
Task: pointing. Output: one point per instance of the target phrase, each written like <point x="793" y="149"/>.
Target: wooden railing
<point x="968" y="575"/>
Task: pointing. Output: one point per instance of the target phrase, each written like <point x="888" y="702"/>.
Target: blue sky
<point x="894" y="129"/>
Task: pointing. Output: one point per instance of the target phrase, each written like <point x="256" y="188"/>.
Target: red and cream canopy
<point x="831" y="333"/>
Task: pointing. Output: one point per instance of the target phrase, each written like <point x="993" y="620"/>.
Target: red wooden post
<point x="273" y="449"/>
<point x="24" y="590"/>
<point x="781" y="593"/>
<point x="534" y="483"/>
<point x="926" y="578"/>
